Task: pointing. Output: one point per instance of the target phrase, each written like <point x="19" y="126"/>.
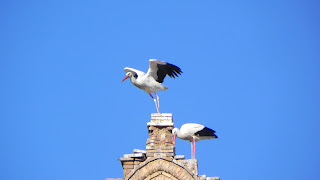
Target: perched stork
<point x="193" y="132"/>
<point x="151" y="81"/>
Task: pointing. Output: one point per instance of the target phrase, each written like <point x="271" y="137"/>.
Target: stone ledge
<point x="179" y="157"/>
<point x="204" y="177"/>
<point x="135" y="155"/>
<point x="138" y="155"/>
<point x="163" y="119"/>
<point x="139" y="151"/>
<point x="161" y="115"/>
<point x="213" y="178"/>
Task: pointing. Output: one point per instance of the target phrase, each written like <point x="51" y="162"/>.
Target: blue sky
<point x="251" y="72"/>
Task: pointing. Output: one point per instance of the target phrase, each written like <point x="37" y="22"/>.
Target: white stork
<point x="151" y="81"/>
<point x="193" y="132"/>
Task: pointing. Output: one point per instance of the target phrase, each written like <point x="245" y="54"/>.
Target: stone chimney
<point x="159" y="161"/>
<point x="160" y="143"/>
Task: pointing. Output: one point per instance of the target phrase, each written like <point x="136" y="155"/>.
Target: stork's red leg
<point x="157" y="101"/>
<point x="191" y="149"/>
<point x="194" y="148"/>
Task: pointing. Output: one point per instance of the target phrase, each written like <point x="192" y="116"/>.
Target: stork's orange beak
<point x="126" y="77"/>
<point x="175" y="138"/>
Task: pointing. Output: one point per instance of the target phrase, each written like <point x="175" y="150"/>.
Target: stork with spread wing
<point x="151" y="81"/>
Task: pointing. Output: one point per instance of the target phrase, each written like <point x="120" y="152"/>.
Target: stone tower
<point x="158" y="161"/>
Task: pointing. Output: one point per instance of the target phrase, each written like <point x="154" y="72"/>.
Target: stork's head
<point x="128" y="75"/>
<point x="174" y="133"/>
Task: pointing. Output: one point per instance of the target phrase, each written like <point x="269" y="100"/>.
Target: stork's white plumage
<point x="193" y="132"/>
<point x="151" y="81"/>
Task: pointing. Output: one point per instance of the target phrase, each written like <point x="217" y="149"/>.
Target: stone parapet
<point x="130" y="161"/>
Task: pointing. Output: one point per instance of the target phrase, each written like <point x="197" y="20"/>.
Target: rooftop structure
<point x="159" y="161"/>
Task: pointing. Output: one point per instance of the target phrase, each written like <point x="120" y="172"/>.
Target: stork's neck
<point x="184" y="135"/>
<point x="178" y="132"/>
<point x="133" y="79"/>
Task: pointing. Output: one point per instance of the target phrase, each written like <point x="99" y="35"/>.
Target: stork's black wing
<point x="167" y="69"/>
<point x="159" y="69"/>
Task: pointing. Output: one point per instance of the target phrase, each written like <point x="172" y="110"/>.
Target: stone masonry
<point x="158" y="161"/>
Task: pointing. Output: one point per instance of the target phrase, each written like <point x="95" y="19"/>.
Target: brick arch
<point x="160" y="169"/>
<point x="160" y="175"/>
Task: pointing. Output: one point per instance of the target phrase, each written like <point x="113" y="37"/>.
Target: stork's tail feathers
<point x="207" y="132"/>
<point x="215" y="136"/>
